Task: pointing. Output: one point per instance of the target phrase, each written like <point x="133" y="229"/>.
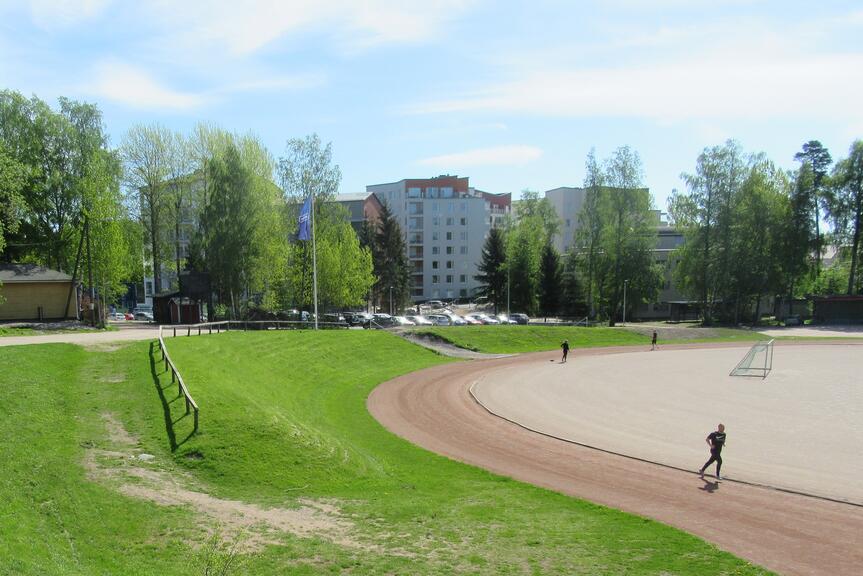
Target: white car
<point x="484" y="319"/>
<point x="420" y="320"/>
<point x="118" y="316"/>
<point x="439" y="319"/>
<point x="403" y="321"/>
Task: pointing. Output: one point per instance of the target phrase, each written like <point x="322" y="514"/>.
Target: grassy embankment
<point x="32" y="331"/>
<point x="282" y="419"/>
<point x="514" y="339"/>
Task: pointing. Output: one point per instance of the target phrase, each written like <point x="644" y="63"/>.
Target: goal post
<point x="758" y="361"/>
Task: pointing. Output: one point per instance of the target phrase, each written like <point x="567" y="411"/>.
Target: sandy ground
<point x="799" y="429"/>
<point x="126" y="331"/>
<point x="785" y="532"/>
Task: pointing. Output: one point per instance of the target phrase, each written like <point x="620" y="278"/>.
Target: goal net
<point x="757" y="362"/>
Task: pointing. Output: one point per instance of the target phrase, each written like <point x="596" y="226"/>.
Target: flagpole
<point x="314" y="264"/>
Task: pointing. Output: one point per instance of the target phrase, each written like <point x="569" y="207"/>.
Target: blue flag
<point x="305" y="220"/>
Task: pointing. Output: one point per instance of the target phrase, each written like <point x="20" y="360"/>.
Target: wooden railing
<point x="176" y="377"/>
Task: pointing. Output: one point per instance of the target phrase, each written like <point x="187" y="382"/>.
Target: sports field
<point x="799" y="429"/>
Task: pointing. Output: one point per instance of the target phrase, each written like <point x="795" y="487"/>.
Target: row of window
<point x="450" y="250"/>
<point x="449" y="278"/>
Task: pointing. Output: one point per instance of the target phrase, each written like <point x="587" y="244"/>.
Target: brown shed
<point x="33" y="292"/>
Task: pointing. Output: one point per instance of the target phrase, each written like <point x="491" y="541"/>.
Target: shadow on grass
<point x="166" y="403"/>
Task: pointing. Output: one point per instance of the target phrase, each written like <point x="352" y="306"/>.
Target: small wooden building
<point x="33" y="292"/>
<point x="172" y="308"/>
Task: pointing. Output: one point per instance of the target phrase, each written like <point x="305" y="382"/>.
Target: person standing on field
<point x="565" y="347"/>
<point x="653" y="341"/>
<point x="716" y="440"/>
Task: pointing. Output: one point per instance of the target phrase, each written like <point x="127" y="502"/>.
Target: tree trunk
<point x="855" y="247"/>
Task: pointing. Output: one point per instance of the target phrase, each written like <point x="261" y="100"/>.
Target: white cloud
<point x="53" y="14"/>
<point x="126" y="84"/>
<point x="495" y="156"/>
<point x="246" y="27"/>
<point x="740" y="76"/>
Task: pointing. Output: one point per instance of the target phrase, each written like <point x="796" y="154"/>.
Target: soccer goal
<point x="757" y="362"/>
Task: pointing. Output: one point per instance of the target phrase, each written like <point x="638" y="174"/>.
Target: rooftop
<point x="11" y="273"/>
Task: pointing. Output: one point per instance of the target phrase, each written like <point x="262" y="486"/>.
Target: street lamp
<point x="391" y="300"/>
<point x="625" y="282"/>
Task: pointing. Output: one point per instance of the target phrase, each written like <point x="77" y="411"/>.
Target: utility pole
<point x="90" y="276"/>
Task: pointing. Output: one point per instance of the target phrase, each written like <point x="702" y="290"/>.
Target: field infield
<point x="799" y="429"/>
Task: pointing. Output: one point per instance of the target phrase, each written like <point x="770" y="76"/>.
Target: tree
<point x="590" y="228"/>
<point x="627" y="238"/>
<point x="492" y="269"/>
<point x="846" y="208"/>
<point x="391" y="266"/>
<point x="179" y="197"/>
<point x="550" y="282"/>
<point x="706" y="215"/>
<point x="145" y="158"/>
<point x="818" y="159"/>
<point x="229" y="217"/>
<point x="13" y="177"/>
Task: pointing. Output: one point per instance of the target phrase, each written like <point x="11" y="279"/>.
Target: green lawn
<point x="28" y="331"/>
<point x="515" y="339"/>
<point x="283" y="418"/>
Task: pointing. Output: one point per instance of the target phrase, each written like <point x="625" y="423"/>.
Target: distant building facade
<point x="362" y="207"/>
<point x="445" y="222"/>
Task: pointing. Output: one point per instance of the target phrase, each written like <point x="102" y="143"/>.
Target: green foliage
<point x="617" y="235"/>
<point x="391" y="266"/>
<point x="535" y="224"/>
<point x="550" y="281"/>
<point x="846" y="210"/>
<point x="492" y="270"/>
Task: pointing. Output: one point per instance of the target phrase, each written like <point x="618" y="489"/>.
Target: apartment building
<point x="445" y="223"/>
<point x="362" y="206"/>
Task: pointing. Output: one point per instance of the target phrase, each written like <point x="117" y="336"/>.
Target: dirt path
<point x="784" y="532"/>
<point x="124" y="333"/>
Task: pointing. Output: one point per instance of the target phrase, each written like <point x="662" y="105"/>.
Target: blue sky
<point x="511" y="94"/>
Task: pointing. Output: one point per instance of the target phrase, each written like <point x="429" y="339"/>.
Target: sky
<point x="512" y="94"/>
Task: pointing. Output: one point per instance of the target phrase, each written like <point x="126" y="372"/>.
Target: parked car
<point x="793" y="320"/>
<point x="455" y="319"/>
<point x="402" y="321"/>
<point x="434" y="304"/>
<point x="439" y="319"/>
<point x="504" y="319"/>
<point x="420" y="320"/>
<point x="483" y="318"/>
<point x="334" y="318"/>
<point x="119" y="316"/>
<point x="381" y="320"/>
<point x="129" y="316"/>
<point x="520" y="318"/>
<point x="142" y="313"/>
<point x="471" y="320"/>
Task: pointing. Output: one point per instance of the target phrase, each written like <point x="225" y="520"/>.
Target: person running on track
<point x="716" y="440"/>
<point x="653" y="341"/>
<point x="565" y="347"/>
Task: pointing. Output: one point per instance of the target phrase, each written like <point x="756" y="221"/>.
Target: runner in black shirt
<point x="716" y="440"/>
<point x="565" y="347"/>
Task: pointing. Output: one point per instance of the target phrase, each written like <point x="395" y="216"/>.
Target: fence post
<point x="196" y="420"/>
<point x="199" y="330"/>
<point x="187" y="405"/>
<point x="175" y="331"/>
<point x="188" y="330"/>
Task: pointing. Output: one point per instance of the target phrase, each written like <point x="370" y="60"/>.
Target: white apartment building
<point x="445" y="222"/>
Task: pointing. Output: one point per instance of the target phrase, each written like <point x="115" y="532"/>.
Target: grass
<point x="282" y="417"/>
<point x="516" y="339"/>
<point x="31" y="331"/>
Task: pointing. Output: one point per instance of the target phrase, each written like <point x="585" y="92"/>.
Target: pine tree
<point x="492" y="269"/>
<point x="550" y="281"/>
<point x="391" y="262"/>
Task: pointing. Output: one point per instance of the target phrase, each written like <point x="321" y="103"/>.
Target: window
<point x="449" y="263"/>
<point x="449" y="249"/>
<point x="435" y="279"/>
<point x="463" y="250"/>
<point x="449" y="278"/>
<point x="435" y="235"/>
<point x="413" y="192"/>
<point x="446" y="191"/>
<point x="431" y="192"/>
<point x="463" y="206"/>
<point x="449" y="235"/>
<point x="148" y="288"/>
<point x="435" y="249"/>
<point x="463" y="221"/>
<point x="463" y="293"/>
<point x="434" y="264"/>
<point x="449" y="221"/>
<point x="462" y="278"/>
<point x="463" y="236"/>
<point x="435" y="207"/>
<point x="450" y="207"/>
<point x="567" y="223"/>
<point x="436" y="220"/>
